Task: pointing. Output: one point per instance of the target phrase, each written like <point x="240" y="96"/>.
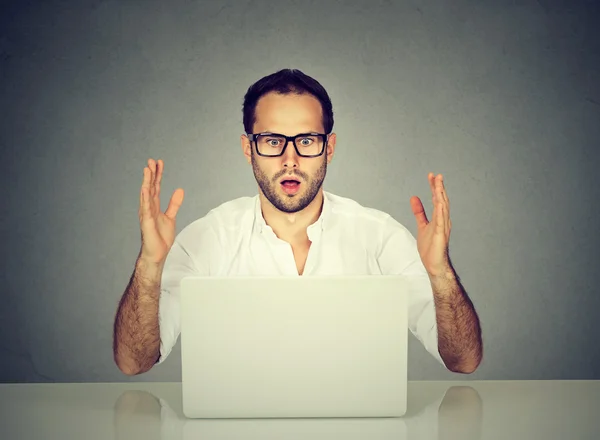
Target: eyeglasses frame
<point x="252" y="137"/>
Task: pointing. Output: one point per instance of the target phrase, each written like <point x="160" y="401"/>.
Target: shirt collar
<point x="317" y="227"/>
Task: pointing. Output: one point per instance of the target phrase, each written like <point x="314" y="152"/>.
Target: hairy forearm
<point x="136" y="339"/>
<point x="459" y="331"/>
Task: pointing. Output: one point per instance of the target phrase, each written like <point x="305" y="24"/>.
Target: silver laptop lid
<point x="294" y="346"/>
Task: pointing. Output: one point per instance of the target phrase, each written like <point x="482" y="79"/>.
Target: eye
<point x="273" y="140"/>
<point x="307" y="143"/>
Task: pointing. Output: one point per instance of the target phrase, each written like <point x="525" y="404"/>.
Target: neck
<point x="291" y="227"/>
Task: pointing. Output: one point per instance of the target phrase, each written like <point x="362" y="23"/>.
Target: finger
<point x="142" y="188"/>
<point x="154" y="174"/>
<point x="418" y="211"/>
<point x="159" y="169"/>
<point x="443" y="211"/>
<point x="151" y="166"/>
<point x="439" y="183"/>
<point x="160" y="166"/>
<point x="141" y="199"/>
<point x="439" y="217"/>
<point x="446" y="205"/>
<point x="445" y="217"/>
<point x="175" y="203"/>
<point x="146" y="201"/>
<point x="145" y="184"/>
<point x="445" y="197"/>
<point x="437" y="190"/>
<point x="431" y="179"/>
<point x="147" y="176"/>
<point x="145" y="205"/>
<point x="443" y="189"/>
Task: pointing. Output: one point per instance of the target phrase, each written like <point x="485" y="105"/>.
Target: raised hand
<point x="158" y="228"/>
<point x="433" y="237"/>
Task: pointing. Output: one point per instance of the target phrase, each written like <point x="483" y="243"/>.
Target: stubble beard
<point x="293" y="202"/>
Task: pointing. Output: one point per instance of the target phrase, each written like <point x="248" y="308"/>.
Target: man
<point x="292" y="227"/>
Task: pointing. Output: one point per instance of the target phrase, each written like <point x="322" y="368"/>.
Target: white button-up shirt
<point x="347" y="239"/>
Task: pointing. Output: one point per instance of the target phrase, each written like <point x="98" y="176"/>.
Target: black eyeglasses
<point x="274" y="144"/>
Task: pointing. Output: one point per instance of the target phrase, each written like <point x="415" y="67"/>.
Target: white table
<point x="466" y="410"/>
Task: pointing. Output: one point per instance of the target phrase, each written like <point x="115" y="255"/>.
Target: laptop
<point x="290" y="347"/>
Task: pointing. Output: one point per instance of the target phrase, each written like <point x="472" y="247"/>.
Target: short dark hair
<point x="286" y="81"/>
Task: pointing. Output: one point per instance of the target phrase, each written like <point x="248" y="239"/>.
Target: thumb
<point x="418" y="211"/>
<point x="174" y="203"/>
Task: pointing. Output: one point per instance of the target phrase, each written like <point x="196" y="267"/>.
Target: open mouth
<point x="290" y="186"/>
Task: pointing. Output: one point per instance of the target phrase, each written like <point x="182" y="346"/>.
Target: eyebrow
<point x="300" y="132"/>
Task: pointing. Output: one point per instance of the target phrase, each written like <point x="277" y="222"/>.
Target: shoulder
<point x="373" y="228"/>
<point x="232" y="212"/>
<point x="219" y="221"/>
<point x="346" y="210"/>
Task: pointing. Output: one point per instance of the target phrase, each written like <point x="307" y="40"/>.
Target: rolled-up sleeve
<point x="399" y="256"/>
<point x="190" y="255"/>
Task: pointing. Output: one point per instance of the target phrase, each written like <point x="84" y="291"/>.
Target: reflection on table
<point x="448" y="410"/>
<point x="452" y="413"/>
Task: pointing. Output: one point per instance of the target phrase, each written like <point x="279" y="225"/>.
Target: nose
<point x="290" y="157"/>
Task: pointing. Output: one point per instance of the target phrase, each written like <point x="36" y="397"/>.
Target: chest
<point x="300" y="255"/>
<point x="262" y="257"/>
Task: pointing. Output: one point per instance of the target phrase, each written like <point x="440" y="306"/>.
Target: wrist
<point x="148" y="272"/>
<point x="444" y="274"/>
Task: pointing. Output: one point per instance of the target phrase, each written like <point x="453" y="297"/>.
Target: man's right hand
<point x="158" y="228"/>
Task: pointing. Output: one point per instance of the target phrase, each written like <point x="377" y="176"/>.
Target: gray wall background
<point x="502" y="97"/>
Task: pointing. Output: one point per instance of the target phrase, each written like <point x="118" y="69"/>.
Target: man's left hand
<point x="433" y="236"/>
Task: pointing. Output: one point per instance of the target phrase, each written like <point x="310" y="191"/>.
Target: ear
<point x="246" y="147"/>
<point x="330" y="147"/>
